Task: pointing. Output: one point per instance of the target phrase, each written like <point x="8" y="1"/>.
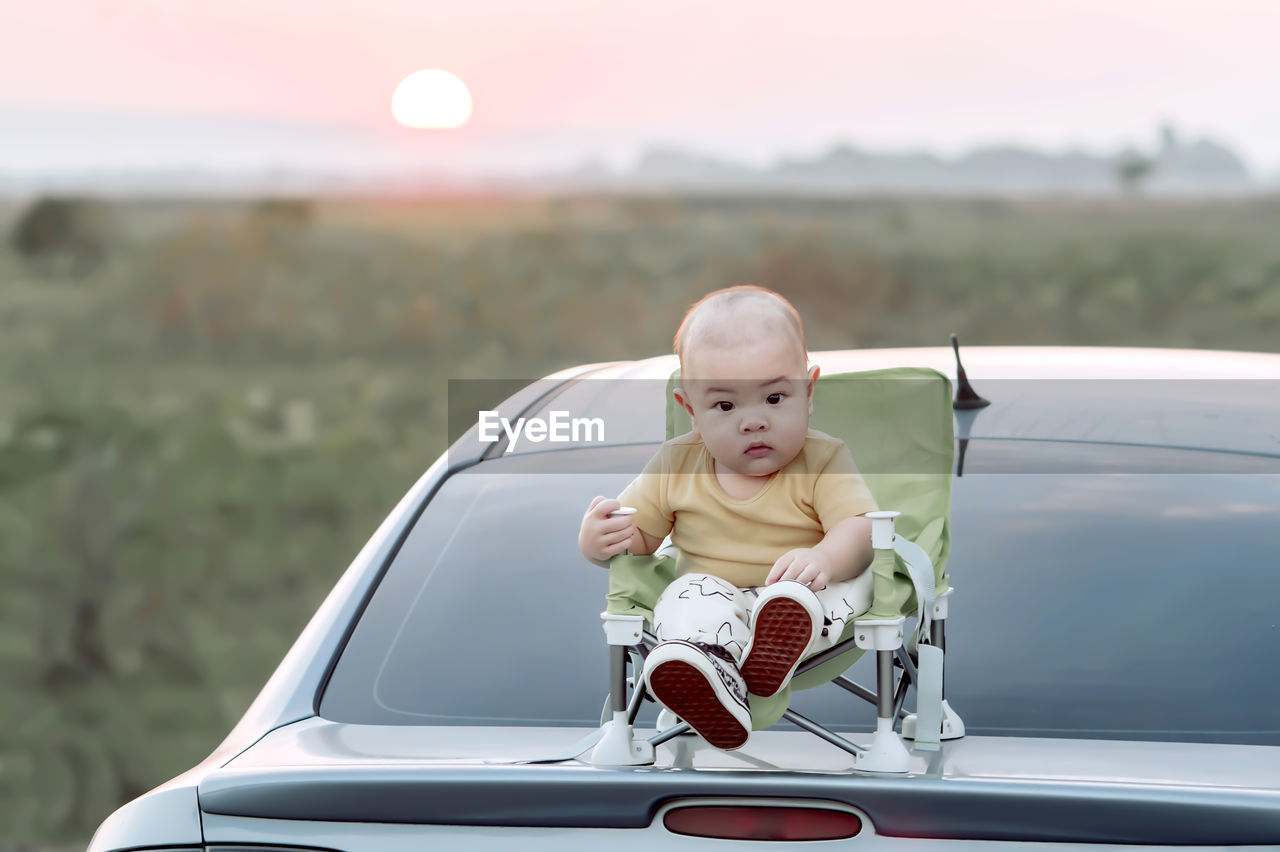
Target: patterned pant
<point x="704" y="608"/>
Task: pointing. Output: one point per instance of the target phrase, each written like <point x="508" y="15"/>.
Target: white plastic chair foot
<point x="887" y="752"/>
<point x="618" y="746"/>
<point x="952" y="724"/>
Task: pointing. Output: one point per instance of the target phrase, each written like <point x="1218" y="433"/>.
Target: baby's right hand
<point x="601" y="536"/>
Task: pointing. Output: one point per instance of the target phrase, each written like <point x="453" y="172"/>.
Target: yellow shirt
<point x="740" y="540"/>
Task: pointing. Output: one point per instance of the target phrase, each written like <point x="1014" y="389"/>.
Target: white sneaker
<point x="701" y="684"/>
<point x="787" y="617"/>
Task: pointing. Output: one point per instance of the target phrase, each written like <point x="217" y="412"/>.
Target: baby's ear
<point x="682" y="400"/>
<point x="813" y="377"/>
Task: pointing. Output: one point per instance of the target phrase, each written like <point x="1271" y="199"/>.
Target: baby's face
<point x="751" y="402"/>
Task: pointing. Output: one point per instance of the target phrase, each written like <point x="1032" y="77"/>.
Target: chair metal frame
<point x="920" y="662"/>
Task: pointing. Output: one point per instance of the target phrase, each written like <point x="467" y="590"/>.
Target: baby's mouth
<point x="758" y="449"/>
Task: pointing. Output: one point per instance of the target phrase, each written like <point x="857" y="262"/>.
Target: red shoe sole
<point x="684" y="690"/>
<point x="783" y="630"/>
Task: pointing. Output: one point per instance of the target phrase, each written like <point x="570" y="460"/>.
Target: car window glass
<point x="1133" y="606"/>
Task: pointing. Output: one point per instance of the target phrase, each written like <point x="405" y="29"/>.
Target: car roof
<point x="1012" y="362"/>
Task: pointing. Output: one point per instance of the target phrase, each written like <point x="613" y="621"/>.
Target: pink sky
<point x="751" y="79"/>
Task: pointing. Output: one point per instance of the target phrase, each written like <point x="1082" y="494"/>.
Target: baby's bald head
<point x="736" y="316"/>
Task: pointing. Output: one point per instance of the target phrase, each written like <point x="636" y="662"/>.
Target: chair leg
<point x="813" y="727"/>
<point x="884" y="684"/>
<point x="884" y="636"/>
<point x="951" y="726"/>
<point x="909" y="677"/>
<point x="618" y="745"/>
<point x="670" y="734"/>
<point x="887" y="752"/>
<point x="938" y="638"/>
<point x="638" y="691"/>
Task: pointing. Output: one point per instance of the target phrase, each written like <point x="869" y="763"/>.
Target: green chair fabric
<point x="898" y="424"/>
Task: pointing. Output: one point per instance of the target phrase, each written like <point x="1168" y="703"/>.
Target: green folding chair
<point x="898" y="425"/>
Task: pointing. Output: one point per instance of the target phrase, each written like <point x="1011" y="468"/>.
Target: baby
<point x="765" y="511"/>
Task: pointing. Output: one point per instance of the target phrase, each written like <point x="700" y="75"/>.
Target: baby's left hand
<point x="809" y="566"/>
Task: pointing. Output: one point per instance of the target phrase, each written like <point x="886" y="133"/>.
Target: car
<point x="1112" y="643"/>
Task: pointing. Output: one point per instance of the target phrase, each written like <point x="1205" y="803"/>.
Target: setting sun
<point x="431" y="98"/>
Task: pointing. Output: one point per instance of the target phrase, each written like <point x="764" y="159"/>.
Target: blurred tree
<point x="1132" y="170"/>
<point x="62" y="234"/>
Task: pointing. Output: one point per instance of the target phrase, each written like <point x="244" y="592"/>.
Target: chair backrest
<point x="897" y="423"/>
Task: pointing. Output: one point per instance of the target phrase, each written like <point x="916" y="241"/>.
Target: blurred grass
<point x="199" y="432"/>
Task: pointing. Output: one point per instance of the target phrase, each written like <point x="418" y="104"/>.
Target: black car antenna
<point x="966" y="404"/>
<point x="966" y="397"/>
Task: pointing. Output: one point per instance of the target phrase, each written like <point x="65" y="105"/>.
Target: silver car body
<point x="287" y="776"/>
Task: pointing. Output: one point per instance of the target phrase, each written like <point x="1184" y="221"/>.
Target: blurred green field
<point x="201" y="424"/>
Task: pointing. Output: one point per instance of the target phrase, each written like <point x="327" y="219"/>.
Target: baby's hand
<point x="601" y="536"/>
<point x="809" y="566"/>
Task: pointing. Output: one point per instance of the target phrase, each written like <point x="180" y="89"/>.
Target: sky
<point x="243" y="83"/>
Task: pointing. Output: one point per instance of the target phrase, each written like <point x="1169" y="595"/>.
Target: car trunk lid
<point x="977" y="788"/>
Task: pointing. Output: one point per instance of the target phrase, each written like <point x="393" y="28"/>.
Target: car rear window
<point x="1088" y="604"/>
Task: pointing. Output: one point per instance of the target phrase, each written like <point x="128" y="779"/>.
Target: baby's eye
<point x="774" y="398"/>
<point x="724" y="405"/>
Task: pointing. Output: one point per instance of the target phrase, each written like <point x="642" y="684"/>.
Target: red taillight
<point x="759" y="822"/>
